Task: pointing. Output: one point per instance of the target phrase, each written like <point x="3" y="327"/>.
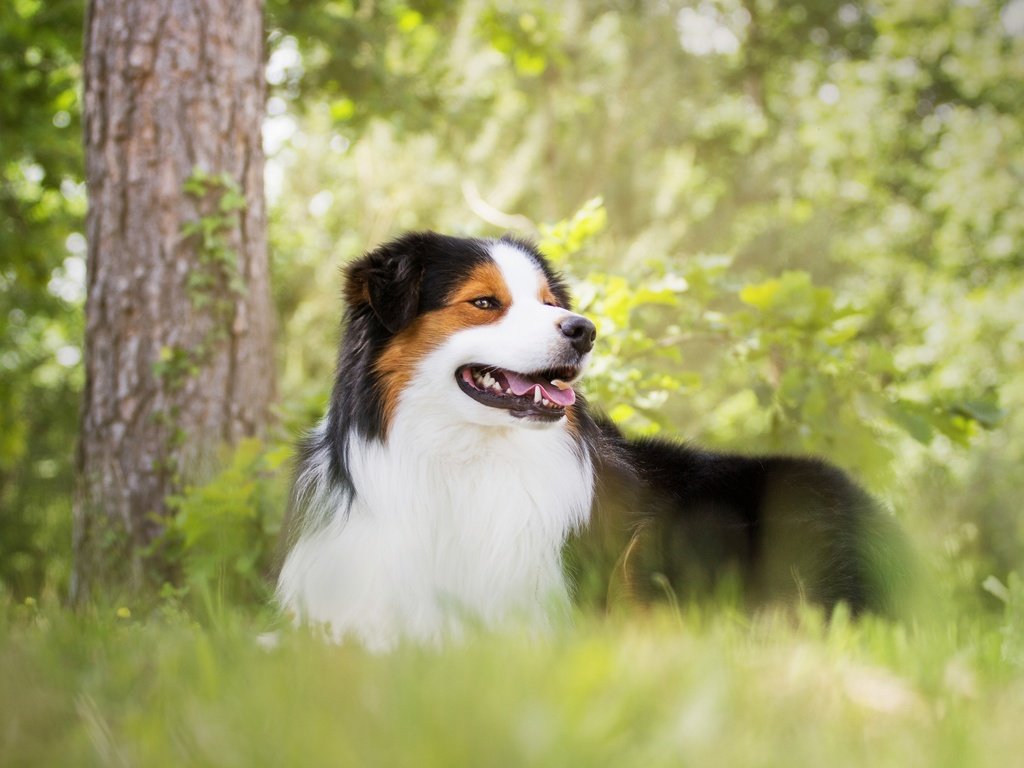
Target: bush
<point x="222" y="534"/>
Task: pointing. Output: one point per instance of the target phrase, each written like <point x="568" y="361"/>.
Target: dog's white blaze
<point x="460" y="516"/>
<point x="522" y="275"/>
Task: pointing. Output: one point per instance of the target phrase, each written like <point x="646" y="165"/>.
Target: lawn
<point x="703" y="687"/>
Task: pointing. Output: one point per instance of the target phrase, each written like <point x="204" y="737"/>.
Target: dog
<point x="456" y="460"/>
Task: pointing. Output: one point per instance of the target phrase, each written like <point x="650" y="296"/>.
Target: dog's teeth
<point x="496" y="387"/>
<point x="536" y="394"/>
<point x="546" y="402"/>
<point x="560" y="384"/>
<point x="508" y="390"/>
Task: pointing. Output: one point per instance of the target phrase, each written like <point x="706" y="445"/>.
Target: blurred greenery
<point x="42" y="275"/>
<point x="113" y="688"/>
<point x="223" y="533"/>
<point x="799" y="227"/>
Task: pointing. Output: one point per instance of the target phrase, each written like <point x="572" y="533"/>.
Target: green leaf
<point x="232" y="201"/>
<point x="409" y="20"/>
<point x="761" y="295"/>
<point x="622" y="412"/>
<point x="342" y="110"/>
<point x="913" y="419"/>
<point x="987" y="413"/>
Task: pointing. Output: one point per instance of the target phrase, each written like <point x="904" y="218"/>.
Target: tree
<point x="178" y="355"/>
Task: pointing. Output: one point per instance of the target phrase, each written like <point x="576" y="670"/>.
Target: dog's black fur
<point x="678" y="522"/>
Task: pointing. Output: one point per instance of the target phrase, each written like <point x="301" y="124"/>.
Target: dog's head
<point x="478" y="329"/>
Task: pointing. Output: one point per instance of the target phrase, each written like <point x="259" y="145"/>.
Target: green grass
<point x="707" y="689"/>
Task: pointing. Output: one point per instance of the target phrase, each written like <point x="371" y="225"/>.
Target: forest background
<point x="799" y="227"/>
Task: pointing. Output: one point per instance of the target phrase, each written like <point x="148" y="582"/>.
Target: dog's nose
<point x="579" y="331"/>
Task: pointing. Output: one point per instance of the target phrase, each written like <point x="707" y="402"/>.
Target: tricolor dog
<point x="456" y="459"/>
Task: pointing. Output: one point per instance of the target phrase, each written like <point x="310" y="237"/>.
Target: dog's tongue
<point x="522" y="385"/>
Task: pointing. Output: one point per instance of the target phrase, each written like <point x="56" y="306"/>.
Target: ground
<point x="699" y="687"/>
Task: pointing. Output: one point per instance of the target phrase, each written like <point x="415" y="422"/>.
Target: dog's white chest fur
<point x="449" y="526"/>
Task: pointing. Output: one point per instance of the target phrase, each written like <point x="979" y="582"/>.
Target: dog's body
<point x="455" y="460"/>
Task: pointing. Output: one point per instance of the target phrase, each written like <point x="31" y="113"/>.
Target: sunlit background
<point x="799" y="227"/>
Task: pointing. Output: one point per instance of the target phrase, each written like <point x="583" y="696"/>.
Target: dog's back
<point x="674" y="521"/>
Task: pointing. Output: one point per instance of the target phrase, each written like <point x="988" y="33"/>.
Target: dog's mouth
<point x="541" y="394"/>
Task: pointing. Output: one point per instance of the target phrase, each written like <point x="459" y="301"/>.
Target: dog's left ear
<point x="388" y="280"/>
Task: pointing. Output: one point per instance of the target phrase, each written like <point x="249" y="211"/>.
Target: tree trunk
<point x="178" y="351"/>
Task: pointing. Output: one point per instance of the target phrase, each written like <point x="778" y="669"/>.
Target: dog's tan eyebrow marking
<point x="485" y="280"/>
<point x="407" y="348"/>
<point x="546" y="296"/>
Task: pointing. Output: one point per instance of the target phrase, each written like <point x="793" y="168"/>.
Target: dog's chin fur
<point x="418" y="510"/>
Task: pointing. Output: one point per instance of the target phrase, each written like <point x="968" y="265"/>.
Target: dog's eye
<point x="486" y="302"/>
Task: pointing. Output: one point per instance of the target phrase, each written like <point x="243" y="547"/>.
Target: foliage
<point x="42" y="266"/>
<point x="218" y="281"/>
<point x="223" y="533"/>
<point x="362" y="61"/>
<point x="1012" y="597"/>
<point x="814" y="378"/>
<point x="215" y="285"/>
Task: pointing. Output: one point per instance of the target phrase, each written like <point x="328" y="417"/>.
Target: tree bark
<point x="178" y="351"/>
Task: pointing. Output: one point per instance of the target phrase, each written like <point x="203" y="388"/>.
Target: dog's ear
<point x="388" y="280"/>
